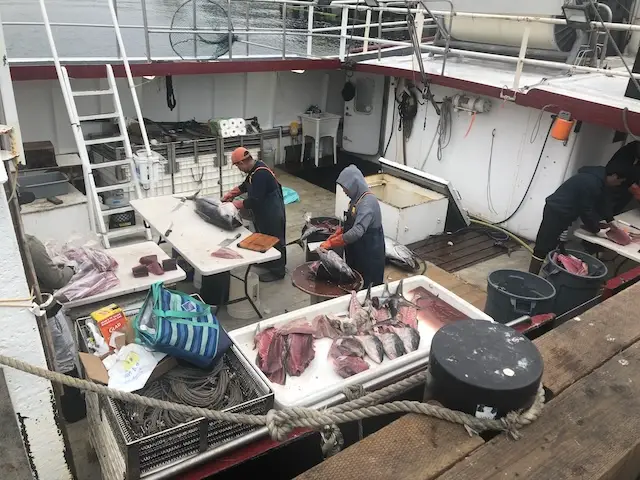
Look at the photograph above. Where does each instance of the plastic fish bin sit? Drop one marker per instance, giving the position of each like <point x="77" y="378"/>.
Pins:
<point x="319" y="381"/>
<point x="44" y="185"/>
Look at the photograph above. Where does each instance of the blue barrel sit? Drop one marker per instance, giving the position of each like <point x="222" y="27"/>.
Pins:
<point x="574" y="290"/>
<point x="512" y="294"/>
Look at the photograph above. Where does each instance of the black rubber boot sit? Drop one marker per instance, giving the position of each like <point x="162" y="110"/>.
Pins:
<point x="72" y="402"/>
<point x="535" y="265"/>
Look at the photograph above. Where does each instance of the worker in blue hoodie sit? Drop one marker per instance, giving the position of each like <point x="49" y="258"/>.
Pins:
<point x="586" y="195"/>
<point x="362" y="234"/>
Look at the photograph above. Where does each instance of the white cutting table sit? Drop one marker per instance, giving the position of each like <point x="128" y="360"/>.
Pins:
<point x="629" y="251"/>
<point x="194" y="239"/>
<point x="127" y="258"/>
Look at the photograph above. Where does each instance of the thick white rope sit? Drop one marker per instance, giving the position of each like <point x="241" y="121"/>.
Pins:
<point x="280" y="423"/>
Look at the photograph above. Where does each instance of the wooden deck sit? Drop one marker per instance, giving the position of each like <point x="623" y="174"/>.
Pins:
<point x="588" y="429"/>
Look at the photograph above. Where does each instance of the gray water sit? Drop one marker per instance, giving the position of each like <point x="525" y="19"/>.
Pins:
<point x="31" y="42"/>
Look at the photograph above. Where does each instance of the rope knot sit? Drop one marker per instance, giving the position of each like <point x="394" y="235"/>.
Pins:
<point x="279" y="424"/>
<point x="353" y="391"/>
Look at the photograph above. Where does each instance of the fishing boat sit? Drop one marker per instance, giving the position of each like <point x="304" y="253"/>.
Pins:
<point x="463" y="117"/>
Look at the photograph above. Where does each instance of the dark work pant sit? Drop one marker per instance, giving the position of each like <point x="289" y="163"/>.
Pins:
<point x="553" y="224"/>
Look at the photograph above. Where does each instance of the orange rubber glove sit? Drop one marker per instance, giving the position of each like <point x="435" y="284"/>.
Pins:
<point x="339" y="231"/>
<point x="335" y="241"/>
<point x="231" y="194"/>
<point x="635" y="191"/>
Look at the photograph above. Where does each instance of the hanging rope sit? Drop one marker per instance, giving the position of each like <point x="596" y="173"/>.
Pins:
<point x="281" y="423"/>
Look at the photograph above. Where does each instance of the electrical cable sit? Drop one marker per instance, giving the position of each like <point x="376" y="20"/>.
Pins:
<point x="393" y="121"/>
<point x="489" y="201"/>
<point x="533" y="176"/>
<point x="507" y="233"/>
<point x="536" y="127"/>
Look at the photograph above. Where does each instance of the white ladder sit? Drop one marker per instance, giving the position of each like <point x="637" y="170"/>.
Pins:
<point x="132" y="187"/>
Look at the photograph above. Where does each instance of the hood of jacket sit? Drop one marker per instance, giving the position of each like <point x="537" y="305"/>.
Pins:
<point x="599" y="172"/>
<point x="352" y="180"/>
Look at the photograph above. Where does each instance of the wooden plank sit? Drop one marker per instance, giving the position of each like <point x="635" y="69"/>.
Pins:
<point x="411" y="448"/>
<point x="576" y="348"/>
<point x="590" y="432"/>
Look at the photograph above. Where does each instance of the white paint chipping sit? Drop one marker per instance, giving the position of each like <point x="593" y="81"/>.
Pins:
<point x="31" y="397"/>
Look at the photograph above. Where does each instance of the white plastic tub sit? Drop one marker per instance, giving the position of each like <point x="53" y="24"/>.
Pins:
<point x="410" y="213"/>
<point x="319" y="381"/>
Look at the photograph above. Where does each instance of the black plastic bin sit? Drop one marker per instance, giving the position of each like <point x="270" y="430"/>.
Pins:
<point x="512" y="294"/>
<point x="574" y="290"/>
<point x="318" y="237"/>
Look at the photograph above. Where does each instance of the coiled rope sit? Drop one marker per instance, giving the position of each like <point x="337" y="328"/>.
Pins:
<point x="280" y="423"/>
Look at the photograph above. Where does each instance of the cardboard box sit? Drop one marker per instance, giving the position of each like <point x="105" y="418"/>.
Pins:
<point x="95" y="370"/>
<point x="110" y="319"/>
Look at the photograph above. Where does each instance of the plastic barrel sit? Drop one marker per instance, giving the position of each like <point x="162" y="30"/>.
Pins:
<point x="574" y="290"/>
<point x="512" y="294"/>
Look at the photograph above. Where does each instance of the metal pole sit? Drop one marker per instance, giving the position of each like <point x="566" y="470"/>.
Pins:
<point x="132" y="87"/>
<point x="310" y="30"/>
<point x="379" y="33"/>
<point x="284" y="30"/>
<point x="367" y="25"/>
<point x="521" y="57"/>
<point x="115" y="7"/>
<point x="195" y="28"/>
<point x="229" y="34"/>
<point x="145" y="26"/>
<point x="343" y="33"/>
<point x="247" y="27"/>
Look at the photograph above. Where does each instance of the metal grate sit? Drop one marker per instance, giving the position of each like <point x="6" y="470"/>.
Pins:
<point x="143" y="454"/>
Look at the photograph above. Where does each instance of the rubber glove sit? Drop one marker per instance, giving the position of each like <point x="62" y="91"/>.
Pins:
<point x="335" y="241"/>
<point x="231" y="194"/>
<point x="238" y="204"/>
<point x="635" y="191"/>
<point x="339" y="231"/>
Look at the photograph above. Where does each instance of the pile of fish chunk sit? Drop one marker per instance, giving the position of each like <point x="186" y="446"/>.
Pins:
<point x="381" y="326"/>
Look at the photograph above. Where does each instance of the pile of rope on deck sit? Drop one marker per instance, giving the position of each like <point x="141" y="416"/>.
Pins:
<point x="280" y="423"/>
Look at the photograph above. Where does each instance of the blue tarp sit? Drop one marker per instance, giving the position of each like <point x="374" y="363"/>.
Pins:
<point x="290" y="195"/>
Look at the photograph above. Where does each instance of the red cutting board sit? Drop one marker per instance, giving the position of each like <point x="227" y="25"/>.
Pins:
<point x="258" y="242"/>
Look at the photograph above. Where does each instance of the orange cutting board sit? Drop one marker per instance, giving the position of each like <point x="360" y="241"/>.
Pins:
<point x="258" y="242"/>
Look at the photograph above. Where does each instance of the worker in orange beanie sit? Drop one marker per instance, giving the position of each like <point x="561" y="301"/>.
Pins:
<point x="266" y="204"/>
<point x="362" y="237"/>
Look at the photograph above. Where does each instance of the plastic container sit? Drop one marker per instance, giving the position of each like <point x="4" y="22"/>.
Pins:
<point x="44" y="185"/>
<point x="512" y="294"/>
<point x="574" y="290"/>
<point x="243" y="310"/>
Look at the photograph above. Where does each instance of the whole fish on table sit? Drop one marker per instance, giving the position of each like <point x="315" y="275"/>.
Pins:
<point x="335" y="266"/>
<point x="221" y="214"/>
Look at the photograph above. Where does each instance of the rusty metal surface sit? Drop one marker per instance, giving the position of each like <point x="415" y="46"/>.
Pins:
<point x="303" y="279"/>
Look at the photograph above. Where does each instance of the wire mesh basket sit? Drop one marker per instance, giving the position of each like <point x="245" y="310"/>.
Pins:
<point x="143" y="454"/>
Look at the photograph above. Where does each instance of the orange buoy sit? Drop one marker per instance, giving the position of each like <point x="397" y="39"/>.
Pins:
<point x="562" y="126"/>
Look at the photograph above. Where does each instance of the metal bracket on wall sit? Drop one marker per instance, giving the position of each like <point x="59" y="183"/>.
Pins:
<point x="172" y="165"/>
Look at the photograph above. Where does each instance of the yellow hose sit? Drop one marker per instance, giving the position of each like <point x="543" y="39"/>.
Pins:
<point x="506" y="232"/>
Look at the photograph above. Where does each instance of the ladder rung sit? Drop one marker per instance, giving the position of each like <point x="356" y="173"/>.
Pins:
<point x="110" y="188"/>
<point x="91" y="93"/>
<point x="113" y="211"/>
<point x="98" y="116"/>
<point x="115" y="163"/>
<point x="125" y="231"/>
<point x="96" y="141"/>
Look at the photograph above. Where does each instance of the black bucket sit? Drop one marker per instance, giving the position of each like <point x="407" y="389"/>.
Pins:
<point x="574" y="290"/>
<point x="512" y="294"/>
<point x="319" y="237"/>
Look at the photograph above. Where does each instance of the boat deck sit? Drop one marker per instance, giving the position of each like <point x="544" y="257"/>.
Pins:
<point x="591" y="374"/>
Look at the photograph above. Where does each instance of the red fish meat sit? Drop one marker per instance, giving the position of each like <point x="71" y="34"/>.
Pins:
<point x="618" y="236"/>
<point x="572" y="264"/>
<point x="299" y="325"/>
<point x="323" y="328"/>
<point x="346" y="346"/>
<point x="272" y="352"/>
<point x="434" y="311"/>
<point x="346" y="366"/>
<point x="409" y="316"/>
<point x="300" y="353"/>
<point x="226" y="253"/>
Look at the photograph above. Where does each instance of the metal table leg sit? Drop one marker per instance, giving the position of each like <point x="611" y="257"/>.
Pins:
<point x="246" y="293"/>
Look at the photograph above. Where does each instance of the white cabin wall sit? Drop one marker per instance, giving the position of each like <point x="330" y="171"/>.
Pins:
<point x="594" y="146"/>
<point x="465" y="161"/>
<point x="276" y="98"/>
<point x="31" y="397"/>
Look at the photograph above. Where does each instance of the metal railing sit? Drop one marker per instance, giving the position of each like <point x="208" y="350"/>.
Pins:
<point x="334" y="41"/>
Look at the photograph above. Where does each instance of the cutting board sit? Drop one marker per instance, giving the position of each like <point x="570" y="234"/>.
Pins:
<point x="258" y="242"/>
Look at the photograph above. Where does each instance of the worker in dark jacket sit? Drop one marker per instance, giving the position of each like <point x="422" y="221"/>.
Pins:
<point x="362" y="235"/>
<point x="628" y="158"/>
<point x="266" y="203"/>
<point x="584" y="196"/>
